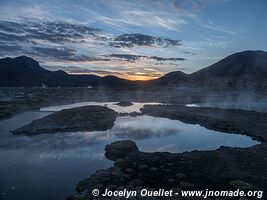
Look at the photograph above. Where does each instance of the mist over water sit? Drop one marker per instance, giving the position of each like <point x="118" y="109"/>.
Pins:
<point x="247" y="100"/>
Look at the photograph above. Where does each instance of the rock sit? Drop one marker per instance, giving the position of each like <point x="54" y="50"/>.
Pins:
<point x="154" y="169"/>
<point x="120" y="188"/>
<point x="138" y="188"/>
<point x="112" y="187"/>
<point x="130" y="187"/>
<point x="241" y="185"/>
<point x="124" y="103"/>
<point x="176" y="190"/>
<point x="187" y="185"/>
<point x="143" y="166"/>
<point x="180" y="175"/>
<point x="198" y="169"/>
<point x="171" y="180"/>
<point x="86" y="118"/>
<point x="120" y="149"/>
<point x="116" y="173"/>
<point x="167" y="170"/>
<point x="136" y="182"/>
<point x="129" y="170"/>
<point x="119" y="160"/>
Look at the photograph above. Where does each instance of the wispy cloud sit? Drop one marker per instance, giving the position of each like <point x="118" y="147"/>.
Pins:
<point x="134" y="58"/>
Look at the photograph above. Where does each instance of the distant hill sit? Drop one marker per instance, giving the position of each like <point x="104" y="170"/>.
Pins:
<point x="24" y="71"/>
<point x="176" y="77"/>
<point x="243" y="69"/>
<point x="239" y="69"/>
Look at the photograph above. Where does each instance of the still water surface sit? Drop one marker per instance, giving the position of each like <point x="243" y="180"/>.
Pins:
<point x="49" y="166"/>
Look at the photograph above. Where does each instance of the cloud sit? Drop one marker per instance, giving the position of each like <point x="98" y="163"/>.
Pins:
<point x="65" y="42"/>
<point x="127" y="16"/>
<point x="123" y="74"/>
<point x="80" y="70"/>
<point x="61" y="43"/>
<point x="62" y="54"/>
<point x="166" y="59"/>
<point x="33" y="29"/>
<point x="7" y="48"/>
<point x="189" y="53"/>
<point x="131" y="40"/>
<point x="134" y="58"/>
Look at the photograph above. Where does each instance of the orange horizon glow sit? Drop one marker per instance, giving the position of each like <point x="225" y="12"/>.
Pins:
<point x="140" y="77"/>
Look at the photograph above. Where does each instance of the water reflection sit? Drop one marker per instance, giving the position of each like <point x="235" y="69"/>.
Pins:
<point x="112" y="105"/>
<point x="151" y="132"/>
<point x="34" y="177"/>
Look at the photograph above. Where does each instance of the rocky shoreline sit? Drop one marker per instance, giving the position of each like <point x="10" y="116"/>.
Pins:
<point x="223" y="169"/>
<point x="251" y="123"/>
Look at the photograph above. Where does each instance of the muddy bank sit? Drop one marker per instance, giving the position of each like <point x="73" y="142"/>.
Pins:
<point x="223" y="169"/>
<point x="245" y="122"/>
<point x="86" y="118"/>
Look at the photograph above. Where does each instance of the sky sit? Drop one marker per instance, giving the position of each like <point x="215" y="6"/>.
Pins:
<point x="132" y="39"/>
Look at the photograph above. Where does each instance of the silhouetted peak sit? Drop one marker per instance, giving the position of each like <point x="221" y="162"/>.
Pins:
<point x="111" y="77"/>
<point x="175" y="73"/>
<point x="238" y="64"/>
<point x="25" y="60"/>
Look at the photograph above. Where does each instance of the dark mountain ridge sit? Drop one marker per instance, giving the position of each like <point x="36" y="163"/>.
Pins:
<point x="243" y="69"/>
<point x="239" y="64"/>
<point x="24" y="71"/>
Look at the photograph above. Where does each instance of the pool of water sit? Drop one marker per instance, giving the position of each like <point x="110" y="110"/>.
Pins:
<point x="49" y="166"/>
<point x="112" y="105"/>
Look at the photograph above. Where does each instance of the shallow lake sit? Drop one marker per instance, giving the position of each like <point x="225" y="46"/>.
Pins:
<point x="49" y="166"/>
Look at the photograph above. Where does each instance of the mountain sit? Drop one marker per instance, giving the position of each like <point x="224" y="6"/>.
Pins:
<point x="244" y="69"/>
<point x="246" y="63"/>
<point x="176" y="77"/>
<point x="239" y="69"/>
<point x="24" y="71"/>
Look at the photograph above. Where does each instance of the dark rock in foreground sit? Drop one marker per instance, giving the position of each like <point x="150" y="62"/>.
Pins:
<point x="124" y="103"/>
<point x="120" y="149"/>
<point x="223" y="169"/>
<point x="87" y="118"/>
